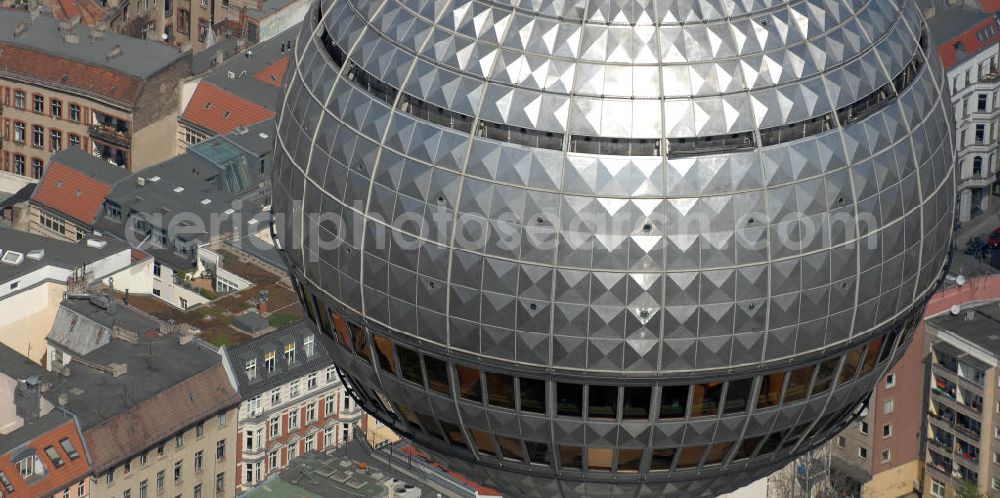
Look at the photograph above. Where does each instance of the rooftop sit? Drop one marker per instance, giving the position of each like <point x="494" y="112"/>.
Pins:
<point x="105" y="63"/>
<point x="254" y="350"/>
<point x="66" y="255"/>
<point x="219" y="111"/>
<point x="155" y="363"/>
<point x="982" y="330"/>
<point x="967" y="22"/>
<point x="248" y="75"/>
<point x="76" y="183"/>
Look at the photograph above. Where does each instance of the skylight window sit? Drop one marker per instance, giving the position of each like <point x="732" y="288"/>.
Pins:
<point x="67" y="446"/>
<point x="179" y="189"/>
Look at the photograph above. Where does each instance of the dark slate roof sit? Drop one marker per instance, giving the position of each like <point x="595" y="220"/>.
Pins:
<point x="245" y="66"/>
<point x="983" y="330"/>
<point x="58" y="253"/>
<point x="18" y="197"/>
<point x="283" y="373"/>
<point x="251" y="321"/>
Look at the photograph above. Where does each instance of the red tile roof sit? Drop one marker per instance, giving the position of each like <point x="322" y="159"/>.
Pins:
<point x="61" y="72"/>
<point x="221" y="112"/>
<point x="275" y="73"/>
<point x="57" y="478"/>
<point x="157" y="418"/>
<point x="983" y="35"/>
<point x="71" y="192"/>
<point x="989" y="6"/>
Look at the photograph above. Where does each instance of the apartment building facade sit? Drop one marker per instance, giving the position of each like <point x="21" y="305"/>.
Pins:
<point x="102" y="92"/>
<point x="963" y="415"/>
<point x="292" y="402"/>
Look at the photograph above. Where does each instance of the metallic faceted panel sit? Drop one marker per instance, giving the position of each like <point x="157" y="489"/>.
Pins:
<point x="515" y="220"/>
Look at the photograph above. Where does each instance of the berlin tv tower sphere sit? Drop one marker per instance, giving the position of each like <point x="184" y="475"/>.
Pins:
<point x="614" y="248"/>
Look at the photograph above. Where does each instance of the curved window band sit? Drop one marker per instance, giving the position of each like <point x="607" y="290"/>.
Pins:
<point x="626" y="146"/>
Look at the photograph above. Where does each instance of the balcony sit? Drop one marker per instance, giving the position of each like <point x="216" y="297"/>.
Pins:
<point x="110" y="134"/>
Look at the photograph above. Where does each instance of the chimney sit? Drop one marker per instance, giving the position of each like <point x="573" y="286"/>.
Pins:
<point x="220" y="55"/>
<point x="118" y="369"/>
<point x="970" y="315"/>
<point x="262" y="308"/>
<point x="28" y="398"/>
<point x="115" y="52"/>
<point x="63" y="399"/>
<point x="185" y="339"/>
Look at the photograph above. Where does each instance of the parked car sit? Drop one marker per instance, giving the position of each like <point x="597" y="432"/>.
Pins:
<point x="994" y="239"/>
<point x="976" y="246"/>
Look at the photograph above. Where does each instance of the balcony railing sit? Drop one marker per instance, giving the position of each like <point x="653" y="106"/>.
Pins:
<point x="110" y="134"/>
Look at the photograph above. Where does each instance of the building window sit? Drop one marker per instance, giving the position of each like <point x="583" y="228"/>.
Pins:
<point x="308" y="346"/>
<point x="328" y="438"/>
<point x="311" y="442"/>
<point x="127" y="468"/>
<point x="290" y="353"/>
<point x="19" y="164"/>
<point x="311" y="412"/>
<point x="53" y="455"/>
<point x="199" y="430"/>
<point x="161" y="477"/>
<point x="269" y="361"/>
<point x="220" y="450"/>
<point x="179" y="440"/>
<point x="36" y="168"/>
<point x="890" y="381"/>
<point x="144" y="459"/>
<point x="293" y="389"/>
<point x="19" y="130"/>
<point x="312" y="381"/>
<point x="980" y="133"/>
<point x="19" y="99"/>
<point x="109" y="477"/>
<point x="199" y="461"/>
<point x="331" y="405"/>
<point x="347" y="403"/>
<point x="55" y="140"/>
<point x="144" y="489"/>
<point x="331" y="374"/>
<point x="887" y="430"/>
<point x="74" y="113"/>
<point x="56" y="107"/>
<point x="222" y="419"/>
<point x="251" y="368"/>
<point x="275" y="396"/>
<point x="293" y="420"/>
<point x="178" y="470"/>
<point x="982" y="99"/>
<point x="39" y="104"/>
<point x="197" y="491"/>
<point x="272" y="460"/>
<point x="937" y="488"/>
<point x="275" y="426"/>
<point x="841" y="441"/>
<point x="183" y="21"/>
<point x="220" y="482"/>
<point x="888" y="406"/>
<point x="863" y="453"/>
<point x="37" y="136"/>
<point x="886" y="456"/>
<point x="863" y="427"/>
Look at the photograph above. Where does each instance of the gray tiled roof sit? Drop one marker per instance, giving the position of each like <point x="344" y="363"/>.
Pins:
<point x="238" y="357"/>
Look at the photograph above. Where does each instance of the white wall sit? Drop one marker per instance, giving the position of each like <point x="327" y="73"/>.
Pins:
<point x="27" y="317"/>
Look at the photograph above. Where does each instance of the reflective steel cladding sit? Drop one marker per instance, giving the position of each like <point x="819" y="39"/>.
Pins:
<point x="614" y="248"/>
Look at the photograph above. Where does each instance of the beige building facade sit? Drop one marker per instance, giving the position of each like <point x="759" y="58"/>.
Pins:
<point x="199" y="460"/>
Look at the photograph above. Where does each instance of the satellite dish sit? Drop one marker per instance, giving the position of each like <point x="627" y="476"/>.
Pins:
<point x="960" y="280"/>
<point x="956" y="309"/>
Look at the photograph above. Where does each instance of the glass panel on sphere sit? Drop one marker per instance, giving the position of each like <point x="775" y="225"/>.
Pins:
<point x="871" y="355"/>
<point x="484" y="442"/>
<point x="772" y="442"/>
<point x="570" y="456"/>
<point x="824" y="379"/>
<point x="407" y="414"/>
<point x="386" y="358"/>
<point x="599" y="458"/>
<point x="635" y="403"/>
<point x="409" y="365"/>
<point x="343" y="333"/>
<point x="705" y="400"/>
<point x="746" y="447"/>
<point x="361" y="343"/>
<point x="454" y="433"/>
<point x="662" y="459"/>
<point x="717" y="453"/>
<point x="532" y="395"/>
<point x="430" y="425"/>
<point x="673" y="401"/>
<point x="798" y="384"/>
<point x="569" y="399"/>
<point x="629" y="460"/>
<point x="738" y="395"/>
<point x="603" y="402"/>
<point x="538" y="452"/>
<point x="690" y="457"/>
<point x="469" y="383"/>
<point x="500" y="390"/>
<point x="770" y="390"/>
<point x="510" y="448"/>
<point x="851" y="365"/>
<point x="437" y="374"/>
